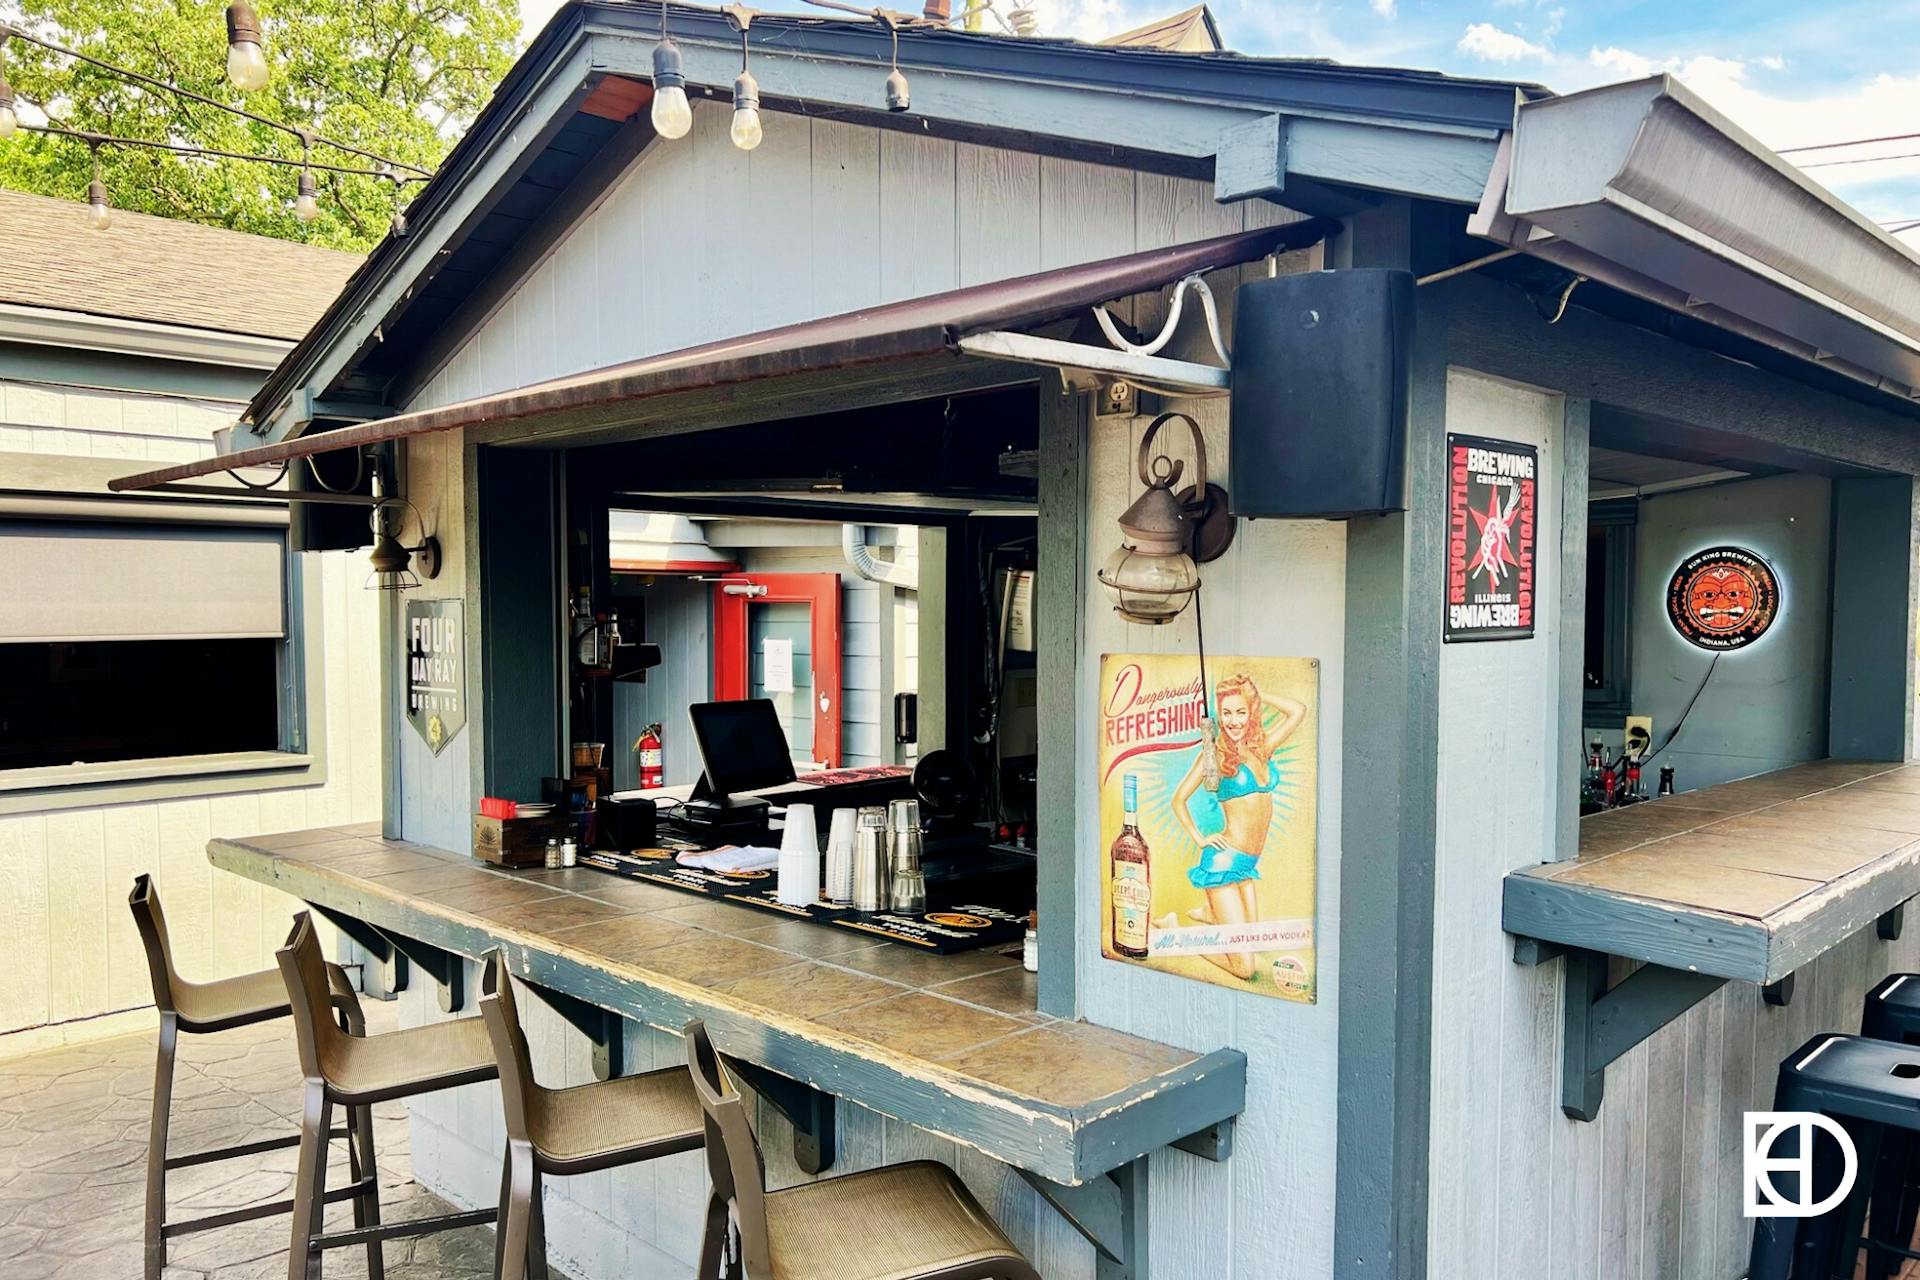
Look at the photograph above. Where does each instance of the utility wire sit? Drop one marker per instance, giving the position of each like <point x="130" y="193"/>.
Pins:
<point x="1853" y="142"/>
<point x="1826" y="164"/>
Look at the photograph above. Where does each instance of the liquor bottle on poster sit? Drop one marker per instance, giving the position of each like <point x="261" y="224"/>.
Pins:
<point x="1132" y="880"/>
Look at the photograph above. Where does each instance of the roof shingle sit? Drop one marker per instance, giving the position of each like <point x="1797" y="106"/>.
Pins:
<point x="161" y="271"/>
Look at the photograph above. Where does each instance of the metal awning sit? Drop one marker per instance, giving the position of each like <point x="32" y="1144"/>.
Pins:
<point x="886" y="343"/>
<point x="1647" y="189"/>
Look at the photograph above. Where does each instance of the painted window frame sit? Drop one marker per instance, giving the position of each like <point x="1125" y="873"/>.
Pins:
<point x="300" y="760"/>
<point x="1617" y="520"/>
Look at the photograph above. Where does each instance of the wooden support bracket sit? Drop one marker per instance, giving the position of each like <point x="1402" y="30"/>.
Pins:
<point x="815" y="1122"/>
<point x="1111" y="1212"/>
<point x="1890" y="924"/>
<point x="1603" y="1023"/>
<point x="1778" y="994"/>
<point x="1532" y="951"/>
<point x="389" y="975"/>
<point x="603" y="1027"/>
<point x="448" y="971"/>
<point x="1215" y="1142"/>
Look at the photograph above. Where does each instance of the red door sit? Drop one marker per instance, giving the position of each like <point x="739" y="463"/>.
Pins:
<point x="802" y="612"/>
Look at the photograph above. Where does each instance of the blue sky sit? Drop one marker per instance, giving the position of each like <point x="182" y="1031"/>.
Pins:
<point x="1793" y="74"/>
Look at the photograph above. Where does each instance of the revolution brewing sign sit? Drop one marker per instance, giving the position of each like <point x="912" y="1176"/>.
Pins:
<point x="1492" y="513"/>
<point x="436" y="671"/>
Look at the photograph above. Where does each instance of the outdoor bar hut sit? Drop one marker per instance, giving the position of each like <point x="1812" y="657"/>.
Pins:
<point x="1386" y="469"/>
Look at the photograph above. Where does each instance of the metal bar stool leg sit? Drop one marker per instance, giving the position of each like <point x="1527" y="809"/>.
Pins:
<point x="537" y="1229"/>
<point x="713" y="1242"/>
<point x="156" y="1244"/>
<point x="366" y="1207"/>
<point x="515" y="1229"/>
<point x="310" y="1185"/>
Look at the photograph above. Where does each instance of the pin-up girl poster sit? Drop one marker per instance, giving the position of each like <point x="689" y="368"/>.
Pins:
<point x="1209" y="833"/>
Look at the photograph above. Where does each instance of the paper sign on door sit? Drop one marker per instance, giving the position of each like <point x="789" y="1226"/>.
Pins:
<point x="776" y="660"/>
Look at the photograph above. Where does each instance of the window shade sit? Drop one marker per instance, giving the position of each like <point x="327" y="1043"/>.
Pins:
<point x="69" y="581"/>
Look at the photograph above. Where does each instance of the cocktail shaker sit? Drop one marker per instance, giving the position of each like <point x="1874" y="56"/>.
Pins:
<point x="872" y="873"/>
<point x="909" y="888"/>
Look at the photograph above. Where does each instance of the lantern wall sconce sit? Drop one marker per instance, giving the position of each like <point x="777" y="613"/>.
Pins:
<point x="393" y="562"/>
<point x="1164" y="535"/>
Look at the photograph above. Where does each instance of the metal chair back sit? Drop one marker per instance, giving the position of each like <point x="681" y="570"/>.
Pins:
<point x="148" y="918"/>
<point x="304" y="970"/>
<point x="498" y="1006"/>
<point x="734" y="1163"/>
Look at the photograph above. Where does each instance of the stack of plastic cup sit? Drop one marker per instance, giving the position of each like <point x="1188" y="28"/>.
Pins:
<point x="799" y="859"/>
<point x="839" y="886"/>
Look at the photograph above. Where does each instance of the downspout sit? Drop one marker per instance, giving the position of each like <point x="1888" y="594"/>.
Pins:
<point x="853" y="544"/>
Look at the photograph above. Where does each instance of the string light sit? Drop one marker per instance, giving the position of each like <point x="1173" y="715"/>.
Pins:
<point x="746" y="131"/>
<point x="247" y="68"/>
<point x="246" y="60"/>
<point x="9" y="119"/>
<point x="99" y="209"/>
<point x="672" y="117"/>
<point x="899" y="96"/>
<point x="306" y="205"/>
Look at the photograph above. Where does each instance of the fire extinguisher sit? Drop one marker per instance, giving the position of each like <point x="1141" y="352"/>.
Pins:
<point x="653" y="769"/>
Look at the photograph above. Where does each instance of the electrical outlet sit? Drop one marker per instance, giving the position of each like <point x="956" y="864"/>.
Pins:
<point x="1642" y="725"/>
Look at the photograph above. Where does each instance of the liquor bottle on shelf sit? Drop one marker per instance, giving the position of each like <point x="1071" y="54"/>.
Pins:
<point x="1132" y="880"/>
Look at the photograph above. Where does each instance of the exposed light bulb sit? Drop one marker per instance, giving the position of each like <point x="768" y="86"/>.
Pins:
<point x="306" y="205"/>
<point x="746" y="131"/>
<point x="99" y="209"/>
<point x="672" y="117"/>
<point x="899" y="96"/>
<point x="9" y="122"/>
<point x="246" y="60"/>
<point x="672" y="114"/>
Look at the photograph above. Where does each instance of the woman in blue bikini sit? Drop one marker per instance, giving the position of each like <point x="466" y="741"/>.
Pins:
<point x="1230" y="857"/>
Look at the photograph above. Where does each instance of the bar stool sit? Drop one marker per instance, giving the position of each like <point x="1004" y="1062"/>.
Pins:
<point x="902" y="1222"/>
<point x="202" y="1008"/>
<point x="1891" y="1011"/>
<point x="570" y="1131"/>
<point x="355" y="1073"/>
<point x="1871" y="1088"/>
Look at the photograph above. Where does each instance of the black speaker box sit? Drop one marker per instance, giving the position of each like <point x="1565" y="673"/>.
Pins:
<point x="1319" y="408"/>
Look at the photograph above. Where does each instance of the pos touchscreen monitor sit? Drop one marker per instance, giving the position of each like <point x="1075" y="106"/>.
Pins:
<point x="742" y="747"/>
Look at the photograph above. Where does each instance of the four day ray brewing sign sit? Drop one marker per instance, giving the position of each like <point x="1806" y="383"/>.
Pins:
<point x="436" y="671"/>
<point x="1493" y="495"/>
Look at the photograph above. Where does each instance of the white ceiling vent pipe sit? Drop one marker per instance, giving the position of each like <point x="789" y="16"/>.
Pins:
<point x="853" y="542"/>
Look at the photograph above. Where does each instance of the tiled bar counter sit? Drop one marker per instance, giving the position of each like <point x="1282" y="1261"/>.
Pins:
<point x="950" y="1045"/>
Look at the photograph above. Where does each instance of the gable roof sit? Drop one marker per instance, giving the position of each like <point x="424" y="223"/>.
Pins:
<point x="1190" y="31"/>
<point x="584" y="80"/>
<point x="161" y="271"/>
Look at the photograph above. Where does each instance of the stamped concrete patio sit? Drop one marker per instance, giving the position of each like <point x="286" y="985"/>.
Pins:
<point x="73" y="1133"/>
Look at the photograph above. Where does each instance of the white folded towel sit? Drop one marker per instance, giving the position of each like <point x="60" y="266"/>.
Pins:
<point x="731" y="857"/>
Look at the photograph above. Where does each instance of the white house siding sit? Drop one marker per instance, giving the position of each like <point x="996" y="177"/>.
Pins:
<point x="67" y="942"/>
<point x="1649" y="1190"/>
<point x="703" y="241"/>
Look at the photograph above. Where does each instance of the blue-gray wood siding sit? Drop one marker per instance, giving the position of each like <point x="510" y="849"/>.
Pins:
<point x="824" y="217"/>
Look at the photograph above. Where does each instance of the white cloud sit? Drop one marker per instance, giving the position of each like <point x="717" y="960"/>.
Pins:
<point x="1385" y="8"/>
<point x="1485" y="41"/>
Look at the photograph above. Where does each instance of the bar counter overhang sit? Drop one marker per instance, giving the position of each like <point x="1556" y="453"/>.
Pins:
<point x="1746" y="881"/>
<point x="1062" y="1102"/>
